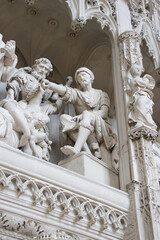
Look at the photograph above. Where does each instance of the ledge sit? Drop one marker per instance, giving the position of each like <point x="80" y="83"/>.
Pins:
<point x="48" y="173"/>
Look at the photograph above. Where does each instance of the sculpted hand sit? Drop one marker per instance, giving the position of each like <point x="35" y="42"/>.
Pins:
<point x="58" y="88"/>
<point x="10" y="49"/>
<point x="45" y="84"/>
<point x="77" y="118"/>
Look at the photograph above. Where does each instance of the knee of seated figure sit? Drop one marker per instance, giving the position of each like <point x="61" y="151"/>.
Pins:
<point x="62" y="117"/>
<point x="87" y="124"/>
<point x="87" y="115"/>
<point x="65" y="118"/>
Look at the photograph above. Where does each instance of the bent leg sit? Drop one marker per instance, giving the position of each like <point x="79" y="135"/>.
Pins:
<point x="21" y="124"/>
<point x="85" y="129"/>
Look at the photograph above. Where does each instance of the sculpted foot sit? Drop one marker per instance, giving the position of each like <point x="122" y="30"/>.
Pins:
<point x="69" y="150"/>
<point x="23" y="140"/>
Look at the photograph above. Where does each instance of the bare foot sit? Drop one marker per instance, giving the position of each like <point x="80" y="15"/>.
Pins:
<point x="23" y="141"/>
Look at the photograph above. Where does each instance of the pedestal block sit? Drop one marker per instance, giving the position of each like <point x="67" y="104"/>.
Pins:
<point x="92" y="168"/>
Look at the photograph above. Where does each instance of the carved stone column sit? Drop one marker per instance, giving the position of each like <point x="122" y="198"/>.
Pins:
<point x="130" y="50"/>
<point x="130" y="53"/>
<point x="144" y="215"/>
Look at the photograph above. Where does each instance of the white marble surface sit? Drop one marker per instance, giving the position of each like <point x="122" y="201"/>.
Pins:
<point x="23" y="163"/>
<point x="92" y="168"/>
<point x="47" y="197"/>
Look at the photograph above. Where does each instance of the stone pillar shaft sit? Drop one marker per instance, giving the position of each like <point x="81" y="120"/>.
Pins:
<point x="144" y="188"/>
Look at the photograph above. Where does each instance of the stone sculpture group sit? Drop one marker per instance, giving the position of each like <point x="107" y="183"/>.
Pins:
<point x="24" y="113"/>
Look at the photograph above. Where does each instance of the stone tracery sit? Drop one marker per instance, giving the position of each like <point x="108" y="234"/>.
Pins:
<point x="142" y="163"/>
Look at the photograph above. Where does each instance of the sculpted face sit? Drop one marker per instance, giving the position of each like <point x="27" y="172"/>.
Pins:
<point x="40" y="71"/>
<point x="41" y="68"/>
<point x="136" y="70"/>
<point x="84" y="79"/>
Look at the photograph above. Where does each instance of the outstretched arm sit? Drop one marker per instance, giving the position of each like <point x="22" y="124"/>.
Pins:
<point x="59" y="100"/>
<point x="60" y="89"/>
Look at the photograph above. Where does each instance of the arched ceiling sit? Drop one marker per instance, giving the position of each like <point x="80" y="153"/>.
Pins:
<point x="43" y="30"/>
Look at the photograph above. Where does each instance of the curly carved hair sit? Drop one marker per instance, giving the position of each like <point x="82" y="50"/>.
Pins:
<point x="30" y="89"/>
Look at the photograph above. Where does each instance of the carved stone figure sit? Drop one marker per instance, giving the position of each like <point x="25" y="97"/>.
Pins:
<point x="37" y="116"/>
<point x="141" y="104"/>
<point x="90" y="127"/>
<point x="23" y="123"/>
<point x="8" y="59"/>
<point x="20" y="83"/>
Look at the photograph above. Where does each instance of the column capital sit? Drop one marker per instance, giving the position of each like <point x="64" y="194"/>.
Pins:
<point x="144" y="132"/>
<point x="129" y="35"/>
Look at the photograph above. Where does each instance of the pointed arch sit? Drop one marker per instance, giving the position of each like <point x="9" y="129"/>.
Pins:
<point x="101" y="10"/>
<point x="153" y="47"/>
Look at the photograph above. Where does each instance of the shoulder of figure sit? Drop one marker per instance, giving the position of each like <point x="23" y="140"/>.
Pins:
<point x="19" y="73"/>
<point x="104" y="94"/>
<point x="101" y="93"/>
<point x="105" y="98"/>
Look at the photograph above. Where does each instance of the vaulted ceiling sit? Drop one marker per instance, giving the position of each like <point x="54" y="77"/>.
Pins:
<point x="44" y="30"/>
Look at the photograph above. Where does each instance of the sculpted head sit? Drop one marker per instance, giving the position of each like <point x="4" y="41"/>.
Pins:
<point x="41" y="68"/>
<point x="136" y="70"/>
<point x="30" y="89"/>
<point x="84" y="76"/>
